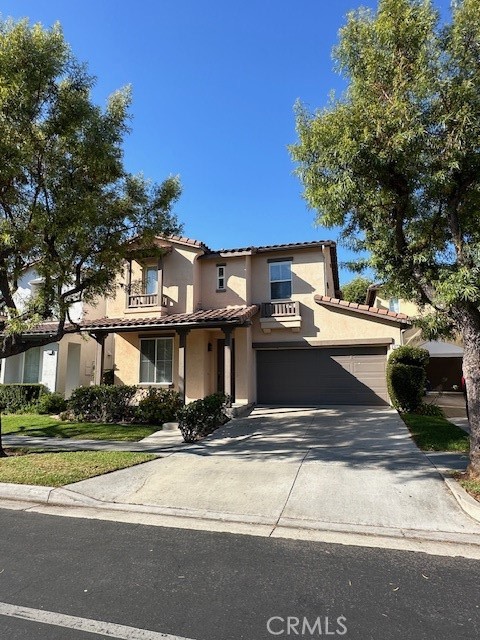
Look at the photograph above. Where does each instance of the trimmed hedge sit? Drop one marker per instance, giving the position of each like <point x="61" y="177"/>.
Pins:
<point x="408" y="385"/>
<point x="201" y="417"/>
<point x="19" y="397"/>
<point x="159" y="406"/>
<point x="406" y="377"/>
<point x="102" y="403"/>
<point x="415" y="356"/>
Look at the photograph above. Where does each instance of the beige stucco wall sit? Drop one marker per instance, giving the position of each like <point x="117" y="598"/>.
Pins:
<point x="201" y="363"/>
<point x="199" y="372"/>
<point x="404" y="306"/>
<point x="178" y="285"/>
<point x="236" y="283"/>
<point x="321" y="323"/>
<point x="178" y="278"/>
<point x="308" y="275"/>
<point x="243" y="366"/>
<point x="127" y="356"/>
<point x="198" y="368"/>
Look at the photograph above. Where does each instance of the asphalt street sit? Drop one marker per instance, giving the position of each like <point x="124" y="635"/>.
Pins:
<point x="93" y="579"/>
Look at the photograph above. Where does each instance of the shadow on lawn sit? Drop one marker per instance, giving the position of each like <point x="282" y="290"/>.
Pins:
<point x="54" y="431"/>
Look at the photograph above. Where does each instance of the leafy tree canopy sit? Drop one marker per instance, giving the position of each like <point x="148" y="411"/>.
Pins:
<point x="395" y="162"/>
<point x="68" y="207"/>
<point x="356" y="290"/>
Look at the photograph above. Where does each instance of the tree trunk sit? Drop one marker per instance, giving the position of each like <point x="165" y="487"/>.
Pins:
<point x="2" y="451"/>
<point x="471" y="373"/>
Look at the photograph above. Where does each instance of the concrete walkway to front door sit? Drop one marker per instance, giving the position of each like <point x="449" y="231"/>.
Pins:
<point x="333" y="467"/>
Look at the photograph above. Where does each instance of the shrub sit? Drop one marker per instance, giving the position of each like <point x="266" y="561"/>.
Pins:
<point x="102" y="403"/>
<point x="414" y="356"/>
<point x="406" y="377"/>
<point x="201" y="417"/>
<point x="51" y="403"/>
<point x="430" y="409"/>
<point x="406" y="385"/>
<point x="19" y="397"/>
<point x="159" y="406"/>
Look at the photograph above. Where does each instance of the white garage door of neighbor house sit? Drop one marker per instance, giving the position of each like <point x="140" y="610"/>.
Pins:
<point x="322" y="376"/>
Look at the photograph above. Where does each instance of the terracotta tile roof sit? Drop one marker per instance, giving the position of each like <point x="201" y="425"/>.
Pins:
<point x="363" y="309"/>
<point x="234" y="316"/>
<point x="46" y="328"/>
<point x="276" y="247"/>
<point x="189" y="241"/>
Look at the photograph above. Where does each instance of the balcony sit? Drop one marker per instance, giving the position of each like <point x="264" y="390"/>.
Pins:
<point x="146" y="300"/>
<point x="280" y="315"/>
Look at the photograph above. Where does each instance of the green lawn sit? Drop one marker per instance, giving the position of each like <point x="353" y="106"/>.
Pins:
<point x="36" y="425"/>
<point x="58" y="469"/>
<point x="436" y="434"/>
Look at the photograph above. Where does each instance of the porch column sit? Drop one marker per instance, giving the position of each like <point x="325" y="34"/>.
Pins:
<point x="99" y="356"/>
<point x="227" y="332"/>
<point x="182" y="362"/>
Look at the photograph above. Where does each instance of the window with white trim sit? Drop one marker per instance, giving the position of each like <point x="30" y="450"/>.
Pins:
<point x="221" y="281"/>
<point x="156" y="360"/>
<point x="280" y="280"/>
<point x="31" y="366"/>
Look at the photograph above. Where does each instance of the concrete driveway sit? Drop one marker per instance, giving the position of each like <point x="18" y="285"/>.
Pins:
<point x="291" y="467"/>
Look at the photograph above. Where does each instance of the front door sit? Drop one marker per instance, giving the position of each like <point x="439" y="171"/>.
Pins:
<point x="221" y="367"/>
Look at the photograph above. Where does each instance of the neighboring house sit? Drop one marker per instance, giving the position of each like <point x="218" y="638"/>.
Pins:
<point x="262" y="324"/>
<point x="60" y="366"/>
<point x="444" y="371"/>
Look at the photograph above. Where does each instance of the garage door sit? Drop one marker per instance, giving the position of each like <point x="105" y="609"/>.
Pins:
<point x="353" y="375"/>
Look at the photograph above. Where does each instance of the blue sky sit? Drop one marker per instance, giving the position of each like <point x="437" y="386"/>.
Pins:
<point x="214" y="84"/>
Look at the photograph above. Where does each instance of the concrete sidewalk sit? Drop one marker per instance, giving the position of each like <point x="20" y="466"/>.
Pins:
<point x="343" y="470"/>
<point x="159" y="442"/>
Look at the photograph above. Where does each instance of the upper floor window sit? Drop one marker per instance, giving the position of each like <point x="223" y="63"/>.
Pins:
<point x="280" y="280"/>
<point x="150" y="280"/>
<point x="394" y="305"/>
<point x="221" y="281"/>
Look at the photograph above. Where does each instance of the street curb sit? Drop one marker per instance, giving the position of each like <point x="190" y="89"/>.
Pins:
<point x="24" y="492"/>
<point x="44" y="499"/>
<point x="464" y="499"/>
<point x="61" y="497"/>
<point x="469" y="505"/>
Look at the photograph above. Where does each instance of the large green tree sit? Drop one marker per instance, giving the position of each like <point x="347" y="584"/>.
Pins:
<point x="68" y="207"/>
<point x="395" y="161"/>
<point x="356" y="289"/>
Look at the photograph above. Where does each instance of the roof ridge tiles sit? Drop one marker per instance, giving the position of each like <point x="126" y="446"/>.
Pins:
<point x="361" y="308"/>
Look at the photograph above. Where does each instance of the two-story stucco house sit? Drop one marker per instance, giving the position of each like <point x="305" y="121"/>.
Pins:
<point x="60" y="366"/>
<point x="262" y="324"/>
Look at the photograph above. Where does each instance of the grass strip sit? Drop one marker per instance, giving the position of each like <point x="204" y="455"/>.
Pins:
<point x="58" y="469"/>
<point x="44" y="426"/>
<point x="436" y="434"/>
<point x="473" y="487"/>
